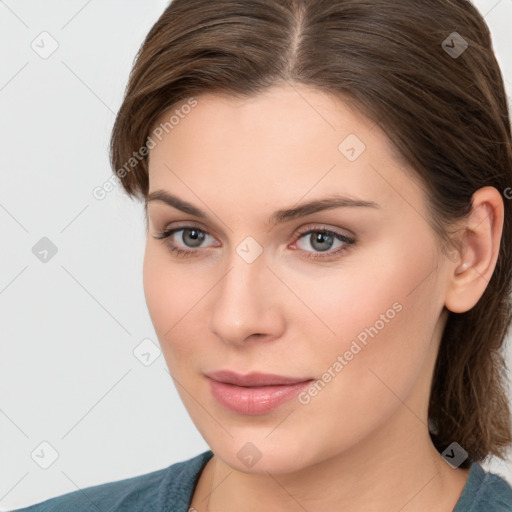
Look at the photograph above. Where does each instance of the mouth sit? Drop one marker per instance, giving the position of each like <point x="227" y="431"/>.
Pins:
<point x="254" y="393"/>
<point x="254" y="379"/>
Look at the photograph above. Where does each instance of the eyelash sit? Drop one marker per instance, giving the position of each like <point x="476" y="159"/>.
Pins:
<point x="163" y="235"/>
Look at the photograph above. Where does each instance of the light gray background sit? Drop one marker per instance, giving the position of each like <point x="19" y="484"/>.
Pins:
<point x="70" y="324"/>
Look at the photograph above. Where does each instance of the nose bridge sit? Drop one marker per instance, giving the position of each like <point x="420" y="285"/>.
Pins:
<point x="244" y="301"/>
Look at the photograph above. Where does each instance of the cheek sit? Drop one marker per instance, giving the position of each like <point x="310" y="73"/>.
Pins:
<point x="384" y="316"/>
<point x="342" y="304"/>
<point x="389" y="292"/>
<point x="171" y="294"/>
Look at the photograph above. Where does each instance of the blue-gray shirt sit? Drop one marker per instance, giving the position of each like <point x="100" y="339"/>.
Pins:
<point x="171" y="489"/>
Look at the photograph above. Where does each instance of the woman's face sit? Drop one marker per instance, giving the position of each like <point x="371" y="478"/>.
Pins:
<point x="357" y="311"/>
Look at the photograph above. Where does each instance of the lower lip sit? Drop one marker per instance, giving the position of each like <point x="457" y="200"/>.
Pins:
<point x="254" y="400"/>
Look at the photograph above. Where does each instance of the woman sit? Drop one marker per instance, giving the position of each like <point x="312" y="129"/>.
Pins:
<point x="328" y="258"/>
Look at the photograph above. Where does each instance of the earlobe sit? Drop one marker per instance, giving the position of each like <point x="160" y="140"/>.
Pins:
<point x="480" y="242"/>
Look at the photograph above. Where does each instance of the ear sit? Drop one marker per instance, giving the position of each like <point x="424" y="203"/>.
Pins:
<point x="480" y="243"/>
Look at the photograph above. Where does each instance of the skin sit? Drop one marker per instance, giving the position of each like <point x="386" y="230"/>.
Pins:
<point x="362" y="443"/>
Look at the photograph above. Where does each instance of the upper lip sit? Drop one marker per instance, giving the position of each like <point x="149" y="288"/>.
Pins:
<point x="253" y="378"/>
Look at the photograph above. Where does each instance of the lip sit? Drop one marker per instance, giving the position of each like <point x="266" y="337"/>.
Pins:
<point x="254" y="393"/>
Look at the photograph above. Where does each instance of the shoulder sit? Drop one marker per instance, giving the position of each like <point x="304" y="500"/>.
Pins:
<point x="485" y="491"/>
<point x="153" y="491"/>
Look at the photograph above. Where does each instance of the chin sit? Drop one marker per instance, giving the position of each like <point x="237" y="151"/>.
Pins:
<point x="262" y="456"/>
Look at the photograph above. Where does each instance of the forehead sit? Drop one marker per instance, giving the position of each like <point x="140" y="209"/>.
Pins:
<point x="300" y="108"/>
<point x="282" y="144"/>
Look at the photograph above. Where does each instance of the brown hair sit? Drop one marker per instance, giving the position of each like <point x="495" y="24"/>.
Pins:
<point x="446" y="115"/>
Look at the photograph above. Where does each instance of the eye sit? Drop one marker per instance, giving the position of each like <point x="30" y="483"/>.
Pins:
<point x="324" y="241"/>
<point x="191" y="238"/>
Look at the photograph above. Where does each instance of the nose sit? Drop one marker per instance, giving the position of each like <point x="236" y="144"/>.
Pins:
<point x="246" y="303"/>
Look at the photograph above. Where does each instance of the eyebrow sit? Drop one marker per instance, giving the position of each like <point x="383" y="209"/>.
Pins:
<point x="279" y="216"/>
